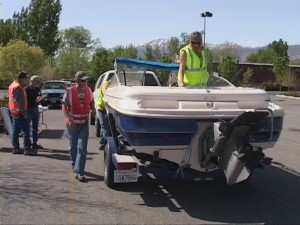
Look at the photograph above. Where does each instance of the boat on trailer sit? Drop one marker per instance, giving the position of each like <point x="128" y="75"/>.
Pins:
<point x="186" y="132"/>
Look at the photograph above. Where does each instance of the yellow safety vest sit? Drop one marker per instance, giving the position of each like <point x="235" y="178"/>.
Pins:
<point x="99" y="101"/>
<point x="196" y="67"/>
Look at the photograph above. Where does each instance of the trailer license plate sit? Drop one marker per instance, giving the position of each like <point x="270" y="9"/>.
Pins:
<point x="125" y="176"/>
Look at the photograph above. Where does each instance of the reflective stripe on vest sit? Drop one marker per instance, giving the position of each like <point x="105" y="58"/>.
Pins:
<point x="12" y="102"/>
<point x="196" y="69"/>
<point x="77" y="112"/>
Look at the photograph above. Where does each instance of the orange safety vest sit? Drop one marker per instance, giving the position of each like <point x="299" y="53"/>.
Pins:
<point x="12" y="102"/>
<point x="78" y="113"/>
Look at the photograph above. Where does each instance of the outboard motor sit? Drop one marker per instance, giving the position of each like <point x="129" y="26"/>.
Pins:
<point x="235" y="155"/>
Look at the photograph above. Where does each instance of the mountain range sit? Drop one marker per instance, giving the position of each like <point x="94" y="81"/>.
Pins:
<point x="293" y="51"/>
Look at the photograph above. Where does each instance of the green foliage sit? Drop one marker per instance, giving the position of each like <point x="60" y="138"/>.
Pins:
<point x="265" y="55"/>
<point x="17" y="56"/>
<point x="280" y="48"/>
<point x="173" y="47"/>
<point x="227" y="68"/>
<point x="6" y="31"/>
<point x="225" y="50"/>
<point x="247" y="76"/>
<point x="75" y="37"/>
<point x="290" y="80"/>
<point x="38" y="25"/>
<point x="270" y="54"/>
<point x="280" y="67"/>
<point x="71" y="60"/>
<point x="101" y="62"/>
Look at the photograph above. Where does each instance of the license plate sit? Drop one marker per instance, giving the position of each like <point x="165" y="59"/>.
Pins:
<point x="53" y="100"/>
<point x="125" y="176"/>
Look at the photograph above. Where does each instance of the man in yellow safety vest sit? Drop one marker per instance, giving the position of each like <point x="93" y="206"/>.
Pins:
<point x="193" y="63"/>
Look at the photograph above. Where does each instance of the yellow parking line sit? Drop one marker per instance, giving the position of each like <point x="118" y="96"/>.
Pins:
<point x="71" y="199"/>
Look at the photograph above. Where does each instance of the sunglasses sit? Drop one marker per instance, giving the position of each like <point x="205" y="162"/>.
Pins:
<point x="82" y="80"/>
<point x="195" y="43"/>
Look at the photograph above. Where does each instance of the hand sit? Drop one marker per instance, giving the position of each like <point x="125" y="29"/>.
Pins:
<point x="38" y="98"/>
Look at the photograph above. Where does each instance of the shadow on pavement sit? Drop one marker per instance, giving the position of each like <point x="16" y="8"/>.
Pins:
<point x="51" y="134"/>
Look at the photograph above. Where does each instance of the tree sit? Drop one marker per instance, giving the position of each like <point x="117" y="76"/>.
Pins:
<point x="266" y="55"/>
<point x="280" y="48"/>
<point x="149" y="53"/>
<point x="173" y="47"/>
<point x="280" y="68"/>
<point x="247" y="76"/>
<point x="227" y="68"/>
<point x="6" y="31"/>
<point x="225" y="50"/>
<point x="17" y="56"/>
<point x="38" y="25"/>
<point x="75" y="37"/>
<point x="101" y="62"/>
<point x="290" y="80"/>
<point x="71" y="60"/>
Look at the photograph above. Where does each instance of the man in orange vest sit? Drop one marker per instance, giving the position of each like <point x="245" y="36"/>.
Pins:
<point x="77" y="104"/>
<point x="18" y="109"/>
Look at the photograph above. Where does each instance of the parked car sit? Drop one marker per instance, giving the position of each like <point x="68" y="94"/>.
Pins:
<point x="53" y="92"/>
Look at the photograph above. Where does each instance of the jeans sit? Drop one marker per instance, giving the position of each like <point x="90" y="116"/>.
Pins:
<point x="33" y="121"/>
<point x="105" y="129"/>
<point x="20" y="123"/>
<point x="78" y="139"/>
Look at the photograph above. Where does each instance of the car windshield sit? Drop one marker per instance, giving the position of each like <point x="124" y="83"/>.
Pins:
<point x="54" y="85"/>
<point x="68" y="83"/>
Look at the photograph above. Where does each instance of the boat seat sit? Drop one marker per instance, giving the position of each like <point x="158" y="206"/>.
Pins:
<point x="149" y="80"/>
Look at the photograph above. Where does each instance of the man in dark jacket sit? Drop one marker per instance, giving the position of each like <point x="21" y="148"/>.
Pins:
<point x="33" y="98"/>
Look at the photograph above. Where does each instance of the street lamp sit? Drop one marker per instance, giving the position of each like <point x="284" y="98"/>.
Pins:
<point x="204" y="15"/>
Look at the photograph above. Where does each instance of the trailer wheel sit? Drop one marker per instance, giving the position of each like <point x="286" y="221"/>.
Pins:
<point x="109" y="167"/>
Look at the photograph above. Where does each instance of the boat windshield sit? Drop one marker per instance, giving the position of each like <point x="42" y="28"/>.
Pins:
<point x="135" y="78"/>
<point x="216" y="81"/>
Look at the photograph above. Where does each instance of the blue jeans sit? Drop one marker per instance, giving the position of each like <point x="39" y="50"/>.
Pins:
<point x="78" y="139"/>
<point x="20" y="123"/>
<point x="33" y="121"/>
<point x="105" y="129"/>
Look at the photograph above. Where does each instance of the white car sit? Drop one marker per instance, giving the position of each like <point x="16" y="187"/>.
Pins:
<point x="53" y="92"/>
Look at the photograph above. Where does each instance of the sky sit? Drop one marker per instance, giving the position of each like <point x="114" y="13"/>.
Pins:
<point x="249" y="23"/>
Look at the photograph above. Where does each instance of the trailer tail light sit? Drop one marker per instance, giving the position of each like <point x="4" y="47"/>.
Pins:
<point x="125" y="166"/>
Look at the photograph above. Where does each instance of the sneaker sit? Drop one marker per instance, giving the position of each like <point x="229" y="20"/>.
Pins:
<point x="28" y="152"/>
<point x="80" y="178"/>
<point x="101" y="146"/>
<point x="17" y="151"/>
<point x="37" y="146"/>
<point x="34" y="151"/>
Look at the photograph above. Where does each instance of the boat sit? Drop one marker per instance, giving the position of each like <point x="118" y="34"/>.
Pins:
<point x="186" y="132"/>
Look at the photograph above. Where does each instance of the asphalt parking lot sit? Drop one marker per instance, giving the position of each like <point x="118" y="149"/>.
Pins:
<point x="42" y="189"/>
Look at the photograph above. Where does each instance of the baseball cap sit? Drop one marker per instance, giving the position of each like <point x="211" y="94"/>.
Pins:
<point x="80" y="75"/>
<point x="36" y="79"/>
<point x="22" y="75"/>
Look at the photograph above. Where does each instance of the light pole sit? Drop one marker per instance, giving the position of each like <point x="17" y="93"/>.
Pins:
<point x="204" y="15"/>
